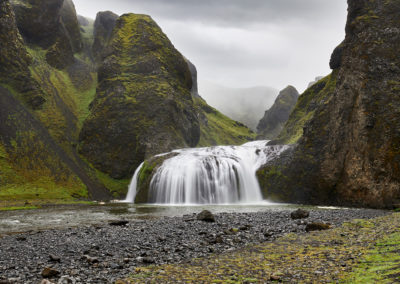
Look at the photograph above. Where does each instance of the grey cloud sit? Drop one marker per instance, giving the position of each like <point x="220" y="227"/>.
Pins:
<point x="242" y="43"/>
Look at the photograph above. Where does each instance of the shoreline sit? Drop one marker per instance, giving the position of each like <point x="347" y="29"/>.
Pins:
<point x="103" y="253"/>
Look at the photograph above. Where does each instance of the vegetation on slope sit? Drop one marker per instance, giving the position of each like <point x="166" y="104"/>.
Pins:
<point x="304" y="110"/>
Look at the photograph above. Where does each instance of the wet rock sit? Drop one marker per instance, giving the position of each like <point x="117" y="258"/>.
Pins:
<point x="317" y="226"/>
<point x="148" y="260"/>
<point x="299" y="214"/>
<point x="50" y="272"/>
<point x="119" y="223"/>
<point x="206" y="216"/>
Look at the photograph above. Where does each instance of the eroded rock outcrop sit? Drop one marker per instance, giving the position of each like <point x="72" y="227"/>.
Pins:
<point x="40" y="22"/>
<point x="15" y="60"/>
<point x="143" y="104"/>
<point x="349" y="153"/>
<point x="275" y="118"/>
<point x="103" y="27"/>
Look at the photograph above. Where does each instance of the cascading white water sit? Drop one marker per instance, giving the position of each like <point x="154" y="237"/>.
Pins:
<point x="213" y="175"/>
<point x="130" y="197"/>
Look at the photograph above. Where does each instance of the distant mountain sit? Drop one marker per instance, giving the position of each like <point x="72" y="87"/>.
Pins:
<point x="246" y="105"/>
<point x="275" y="118"/>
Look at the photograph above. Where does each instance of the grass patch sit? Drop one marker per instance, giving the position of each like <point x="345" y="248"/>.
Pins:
<point x="304" y="111"/>
<point x="18" y="208"/>
<point x="220" y="129"/>
<point x="380" y="264"/>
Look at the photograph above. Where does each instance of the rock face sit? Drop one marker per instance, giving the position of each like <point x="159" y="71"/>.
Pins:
<point x="143" y="104"/>
<point x="195" y="89"/>
<point x="275" y="118"/>
<point x="71" y="23"/>
<point x="103" y="27"/>
<point x="15" y="60"/>
<point x="46" y="89"/>
<point x="307" y="104"/>
<point x="349" y="153"/>
<point x="41" y="23"/>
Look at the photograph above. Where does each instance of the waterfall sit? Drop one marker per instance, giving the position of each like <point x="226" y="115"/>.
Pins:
<point x="213" y="175"/>
<point x="130" y="197"/>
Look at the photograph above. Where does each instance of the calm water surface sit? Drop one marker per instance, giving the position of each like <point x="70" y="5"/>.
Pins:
<point x="81" y="215"/>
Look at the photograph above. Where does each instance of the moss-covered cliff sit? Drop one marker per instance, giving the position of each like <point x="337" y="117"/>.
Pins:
<point x="275" y="118"/>
<point x="52" y="94"/>
<point x="304" y="110"/>
<point x="349" y="152"/>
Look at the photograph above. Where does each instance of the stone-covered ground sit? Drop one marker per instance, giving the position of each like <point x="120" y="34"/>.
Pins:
<point x="360" y="251"/>
<point x="238" y="247"/>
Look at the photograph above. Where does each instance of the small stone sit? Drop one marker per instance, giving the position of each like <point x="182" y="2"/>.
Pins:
<point x="45" y="281"/>
<point x="66" y="280"/>
<point x="317" y="227"/>
<point x="275" y="278"/>
<point x="54" y="258"/>
<point x="119" y="223"/>
<point x="21" y="239"/>
<point x="299" y="214"/>
<point x="49" y="272"/>
<point x="90" y="259"/>
<point x="206" y="216"/>
<point x="148" y="260"/>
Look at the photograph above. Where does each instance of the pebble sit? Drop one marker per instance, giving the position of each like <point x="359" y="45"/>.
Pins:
<point x="104" y="253"/>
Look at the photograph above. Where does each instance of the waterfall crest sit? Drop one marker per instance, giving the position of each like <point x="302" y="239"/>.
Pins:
<point x="213" y="175"/>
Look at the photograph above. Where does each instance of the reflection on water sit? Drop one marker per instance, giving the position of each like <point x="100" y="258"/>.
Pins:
<point x="72" y="216"/>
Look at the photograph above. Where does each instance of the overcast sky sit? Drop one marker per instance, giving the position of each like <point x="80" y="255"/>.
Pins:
<point x="244" y="43"/>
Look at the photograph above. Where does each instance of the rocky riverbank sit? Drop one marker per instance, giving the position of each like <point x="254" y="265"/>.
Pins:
<point x="106" y="252"/>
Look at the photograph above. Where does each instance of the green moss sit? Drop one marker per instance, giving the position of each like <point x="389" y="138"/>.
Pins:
<point x="15" y="208"/>
<point x="380" y="264"/>
<point x="304" y="111"/>
<point x="118" y="188"/>
<point x="220" y="129"/>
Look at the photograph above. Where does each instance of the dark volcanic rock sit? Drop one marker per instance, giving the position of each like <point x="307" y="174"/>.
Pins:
<point x="336" y="58"/>
<point x="49" y="272"/>
<point x="71" y="23"/>
<point x="193" y="71"/>
<point x="119" y="223"/>
<point x="15" y="60"/>
<point x="40" y="22"/>
<point x="275" y="118"/>
<point x="103" y="27"/>
<point x="299" y="214"/>
<point x="206" y="216"/>
<point x="317" y="227"/>
<point x="143" y="104"/>
<point x="349" y="152"/>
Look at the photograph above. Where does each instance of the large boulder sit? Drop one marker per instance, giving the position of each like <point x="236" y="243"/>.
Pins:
<point x="143" y="104"/>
